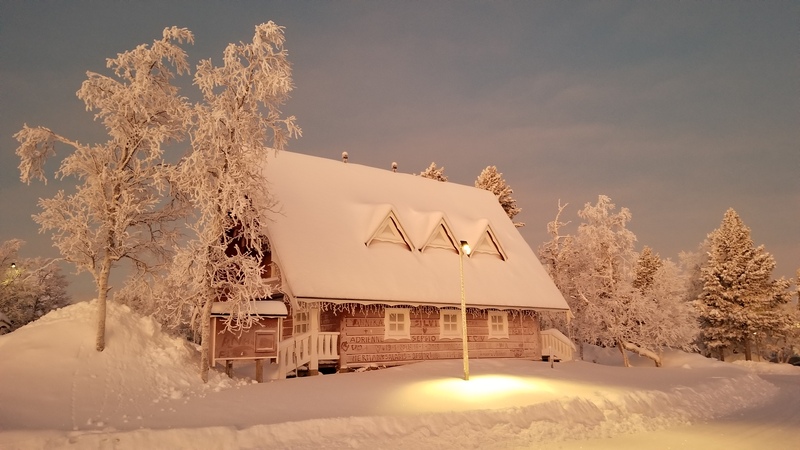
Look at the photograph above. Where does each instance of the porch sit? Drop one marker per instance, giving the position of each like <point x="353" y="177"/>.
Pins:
<point x="307" y="350"/>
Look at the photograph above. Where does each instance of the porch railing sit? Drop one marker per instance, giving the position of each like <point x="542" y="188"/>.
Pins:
<point x="556" y="345"/>
<point x="302" y="349"/>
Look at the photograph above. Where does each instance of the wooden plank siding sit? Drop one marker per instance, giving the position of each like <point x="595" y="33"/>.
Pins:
<point x="361" y="340"/>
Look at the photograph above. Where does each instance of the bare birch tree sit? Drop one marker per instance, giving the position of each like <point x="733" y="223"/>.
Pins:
<point x="117" y="211"/>
<point x="235" y="126"/>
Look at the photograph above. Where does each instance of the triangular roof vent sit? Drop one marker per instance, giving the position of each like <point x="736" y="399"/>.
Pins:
<point x="441" y="237"/>
<point x="489" y="245"/>
<point x="390" y="231"/>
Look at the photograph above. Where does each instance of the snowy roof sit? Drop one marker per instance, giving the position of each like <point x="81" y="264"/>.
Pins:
<point x="263" y="308"/>
<point x="351" y="233"/>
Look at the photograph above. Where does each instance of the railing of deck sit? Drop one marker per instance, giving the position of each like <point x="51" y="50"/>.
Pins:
<point x="556" y="345"/>
<point x="298" y="351"/>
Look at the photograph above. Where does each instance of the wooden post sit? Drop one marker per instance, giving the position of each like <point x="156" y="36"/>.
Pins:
<point x="342" y="366"/>
<point x="260" y="370"/>
<point x="313" y="365"/>
<point x="229" y="368"/>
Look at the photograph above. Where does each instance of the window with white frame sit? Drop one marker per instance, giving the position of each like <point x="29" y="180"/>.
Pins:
<point x="301" y="322"/>
<point x="449" y="324"/>
<point x="498" y="324"/>
<point x="398" y="323"/>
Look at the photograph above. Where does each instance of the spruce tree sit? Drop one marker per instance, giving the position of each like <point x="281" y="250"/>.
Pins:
<point x="740" y="302"/>
<point x="434" y="173"/>
<point x="491" y="180"/>
<point x="646" y="268"/>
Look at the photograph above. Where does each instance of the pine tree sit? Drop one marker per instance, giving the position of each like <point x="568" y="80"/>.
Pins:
<point x="646" y="267"/>
<point x="493" y="181"/>
<point x="434" y="173"/>
<point x="740" y="301"/>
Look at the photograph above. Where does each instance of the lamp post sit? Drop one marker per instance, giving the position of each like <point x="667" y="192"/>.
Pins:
<point x="464" y="250"/>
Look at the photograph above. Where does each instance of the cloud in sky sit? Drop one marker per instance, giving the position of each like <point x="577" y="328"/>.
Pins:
<point x="676" y="110"/>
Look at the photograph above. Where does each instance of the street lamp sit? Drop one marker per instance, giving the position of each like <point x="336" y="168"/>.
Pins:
<point x="464" y="250"/>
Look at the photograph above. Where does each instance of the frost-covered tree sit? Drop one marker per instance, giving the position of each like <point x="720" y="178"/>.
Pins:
<point x="593" y="269"/>
<point x="117" y="211"/>
<point x="9" y="251"/>
<point x="434" y="173"/>
<point x="234" y="127"/>
<point x="31" y="287"/>
<point x="646" y="268"/>
<point x="740" y="302"/>
<point x="797" y="288"/>
<point x="596" y="269"/>
<point x="491" y="180"/>
<point x="692" y="264"/>
<point x="672" y="320"/>
<point x="786" y="342"/>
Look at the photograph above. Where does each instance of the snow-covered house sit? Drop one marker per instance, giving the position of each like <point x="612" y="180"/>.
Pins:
<point x="368" y="264"/>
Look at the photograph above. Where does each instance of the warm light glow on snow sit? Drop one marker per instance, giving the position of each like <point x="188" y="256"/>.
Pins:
<point x="482" y="387"/>
<point x="456" y="394"/>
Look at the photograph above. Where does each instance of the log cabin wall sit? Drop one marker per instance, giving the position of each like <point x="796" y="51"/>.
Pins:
<point x="329" y="321"/>
<point x="362" y="340"/>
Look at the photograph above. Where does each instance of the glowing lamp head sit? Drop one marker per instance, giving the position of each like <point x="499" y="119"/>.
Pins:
<point x="13" y="265"/>
<point x="465" y="248"/>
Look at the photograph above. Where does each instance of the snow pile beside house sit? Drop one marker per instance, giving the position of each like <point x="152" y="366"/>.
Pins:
<point x="54" y="378"/>
<point x="144" y="391"/>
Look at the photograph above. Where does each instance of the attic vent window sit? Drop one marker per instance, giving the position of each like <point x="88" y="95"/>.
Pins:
<point x="489" y="245"/>
<point x="390" y="231"/>
<point x="441" y="238"/>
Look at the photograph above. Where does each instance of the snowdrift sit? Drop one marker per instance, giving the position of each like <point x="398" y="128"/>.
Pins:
<point x="144" y="391"/>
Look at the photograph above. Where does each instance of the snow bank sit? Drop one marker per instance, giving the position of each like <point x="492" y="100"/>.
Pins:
<point x="769" y="368"/>
<point x="144" y="391"/>
<point x="54" y="378"/>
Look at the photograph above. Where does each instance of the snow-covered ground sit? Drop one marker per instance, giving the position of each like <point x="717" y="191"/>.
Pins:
<point x="143" y="391"/>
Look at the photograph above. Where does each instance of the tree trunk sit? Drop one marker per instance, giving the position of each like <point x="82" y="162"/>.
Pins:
<point x="102" y="296"/>
<point x="721" y="353"/>
<point x="205" y="345"/>
<point x="748" y="355"/>
<point x="625" y="359"/>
